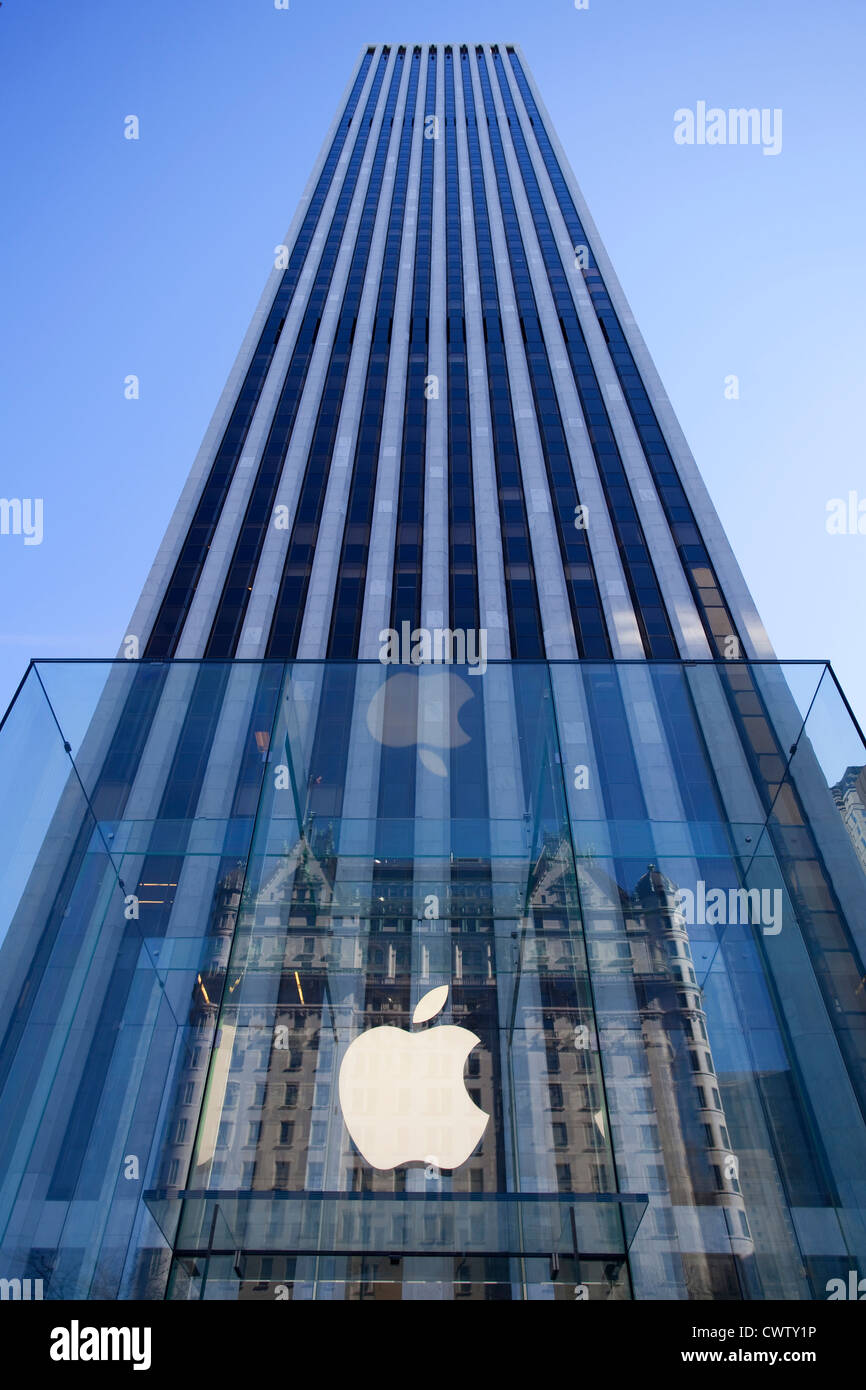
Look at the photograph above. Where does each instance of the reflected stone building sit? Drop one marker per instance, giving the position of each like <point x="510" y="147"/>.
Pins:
<point x="445" y="692"/>
<point x="850" y="796"/>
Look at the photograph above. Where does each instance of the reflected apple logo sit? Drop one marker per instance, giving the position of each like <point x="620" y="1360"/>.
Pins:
<point x="423" y="710"/>
<point x="403" y="1096"/>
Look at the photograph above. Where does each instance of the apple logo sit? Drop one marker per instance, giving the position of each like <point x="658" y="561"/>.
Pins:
<point x="402" y="1094"/>
<point x="422" y="709"/>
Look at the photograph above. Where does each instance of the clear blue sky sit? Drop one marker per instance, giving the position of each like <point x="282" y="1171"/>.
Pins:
<point x="148" y="257"/>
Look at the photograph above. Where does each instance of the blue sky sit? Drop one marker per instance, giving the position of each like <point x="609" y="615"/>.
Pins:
<point x="148" y="257"/>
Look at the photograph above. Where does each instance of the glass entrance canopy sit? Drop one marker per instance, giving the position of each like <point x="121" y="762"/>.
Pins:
<point x="638" y="888"/>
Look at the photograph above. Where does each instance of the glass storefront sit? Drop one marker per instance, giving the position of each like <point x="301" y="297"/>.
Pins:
<point x="521" y="980"/>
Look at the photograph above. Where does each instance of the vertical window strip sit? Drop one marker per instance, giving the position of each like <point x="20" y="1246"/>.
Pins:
<point x="352" y="573"/>
<point x="408" y="538"/>
<point x="463" y="568"/>
<point x="524" y="619"/>
<point x="586" y="609"/>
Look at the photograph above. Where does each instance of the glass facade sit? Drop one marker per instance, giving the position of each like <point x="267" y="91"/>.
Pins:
<point x="658" y="1012"/>
<point x="559" y="449"/>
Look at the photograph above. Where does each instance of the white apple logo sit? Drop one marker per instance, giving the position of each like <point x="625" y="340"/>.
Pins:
<point x="402" y="1094"/>
<point x="422" y="710"/>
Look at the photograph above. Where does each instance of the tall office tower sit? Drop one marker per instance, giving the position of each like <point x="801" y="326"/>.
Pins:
<point x="442" y="894"/>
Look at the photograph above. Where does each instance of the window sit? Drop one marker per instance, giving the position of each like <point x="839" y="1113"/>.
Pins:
<point x="656" y="1179"/>
<point x="287" y="1130"/>
<point x="600" y="1178"/>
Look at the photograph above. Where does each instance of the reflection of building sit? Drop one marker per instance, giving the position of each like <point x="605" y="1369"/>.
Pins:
<point x="670" y="1114"/>
<point x="443" y="418"/>
<point x="692" y="1130"/>
<point x="850" y="796"/>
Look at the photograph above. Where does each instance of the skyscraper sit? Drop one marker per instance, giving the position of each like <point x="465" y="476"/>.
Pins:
<point x="445" y="709"/>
